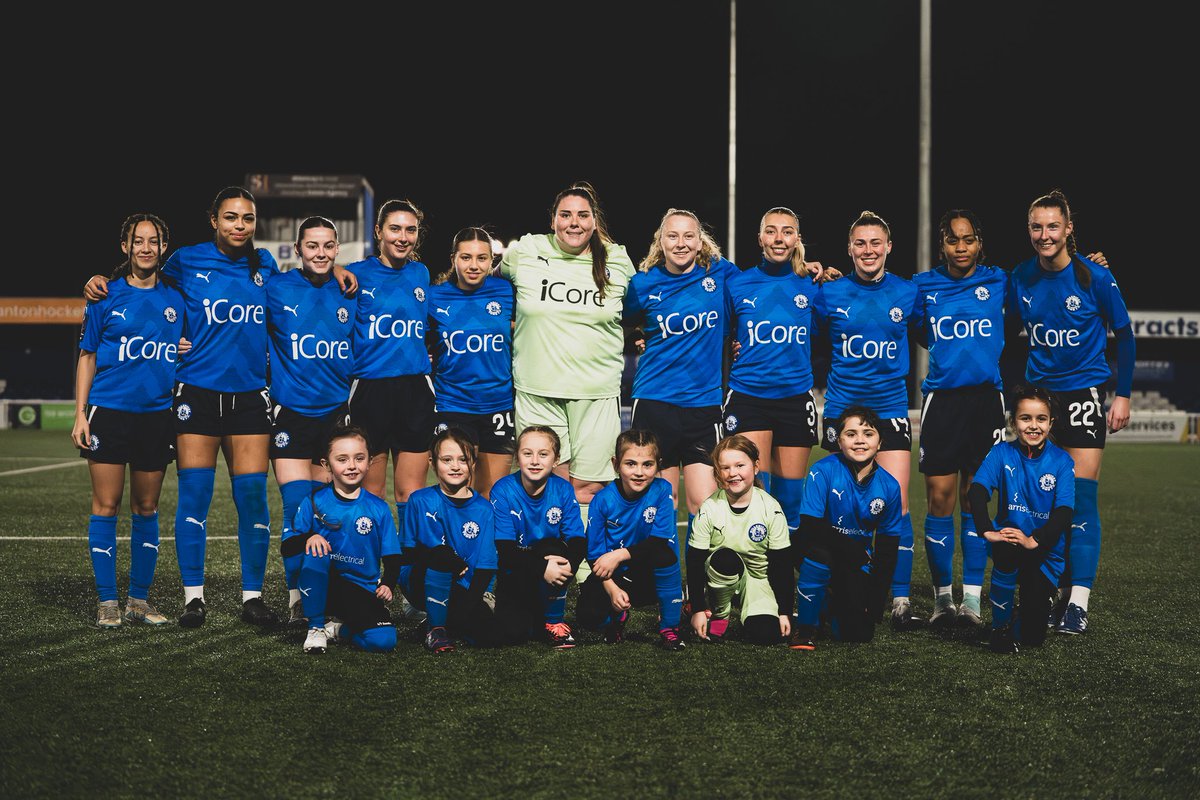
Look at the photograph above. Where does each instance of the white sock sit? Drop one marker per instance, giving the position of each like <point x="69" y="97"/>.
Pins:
<point x="191" y="593"/>
<point x="898" y="600"/>
<point x="1080" y="595"/>
<point x="250" y="595"/>
<point x="942" y="591"/>
<point x="972" y="590"/>
<point x="294" y="597"/>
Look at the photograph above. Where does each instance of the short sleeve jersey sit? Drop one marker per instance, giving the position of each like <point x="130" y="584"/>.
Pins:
<point x="760" y="527"/>
<point x="963" y="323"/>
<point x="361" y="532"/>
<point x="226" y="317"/>
<point x="1067" y="324"/>
<point x="467" y="527"/>
<point x="554" y="514"/>
<point x="472" y="346"/>
<point x="857" y="510"/>
<point x="772" y="319"/>
<point x="684" y="319"/>
<point x="311" y="336"/>
<point x="389" y="321"/>
<point x="615" y="522"/>
<point x="867" y="324"/>
<point x="135" y="334"/>
<point x="568" y="341"/>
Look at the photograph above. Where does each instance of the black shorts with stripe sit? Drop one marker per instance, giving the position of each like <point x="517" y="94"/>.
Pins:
<point x="791" y="420"/>
<point x="209" y="413"/>
<point x="143" y="440"/>
<point x="685" y="435"/>
<point x="396" y="413"/>
<point x="958" y="428"/>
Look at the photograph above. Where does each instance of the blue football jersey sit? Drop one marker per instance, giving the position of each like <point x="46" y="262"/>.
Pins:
<point x="867" y="324"/>
<point x="467" y="526"/>
<point x="1029" y="489"/>
<point x="963" y="323"/>
<point x="311" y="335"/>
<point x="1067" y="324"/>
<point x="360" y="531"/>
<point x="389" y="323"/>
<point x="226" y="317"/>
<point x="685" y="321"/>
<point x="472" y="346"/>
<point x="772" y="318"/>
<point x="614" y="522"/>
<point x="859" y="510"/>
<point x="135" y="336"/>
<point x="523" y="519"/>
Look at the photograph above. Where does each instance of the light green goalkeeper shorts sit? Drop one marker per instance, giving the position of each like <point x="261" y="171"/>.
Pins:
<point x="588" y="430"/>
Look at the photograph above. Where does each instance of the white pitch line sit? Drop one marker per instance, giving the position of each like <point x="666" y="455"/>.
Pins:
<point x="84" y="538"/>
<point x="42" y="469"/>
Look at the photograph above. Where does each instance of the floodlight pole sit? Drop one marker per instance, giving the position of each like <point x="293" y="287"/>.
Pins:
<point x="924" y="219"/>
<point x="731" y="220"/>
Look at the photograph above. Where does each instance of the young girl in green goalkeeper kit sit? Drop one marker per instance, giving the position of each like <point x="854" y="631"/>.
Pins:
<point x="739" y="546"/>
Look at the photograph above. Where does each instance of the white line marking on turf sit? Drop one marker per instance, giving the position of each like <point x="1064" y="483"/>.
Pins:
<point x="42" y="469"/>
<point x="84" y="538"/>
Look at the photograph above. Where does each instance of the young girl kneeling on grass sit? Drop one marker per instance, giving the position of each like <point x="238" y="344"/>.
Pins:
<point x="740" y="546"/>
<point x="631" y="546"/>
<point x="449" y="534"/>
<point x="343" y="533"/>
<point x="539" y="541"/>
<point x="1035" y="479"/>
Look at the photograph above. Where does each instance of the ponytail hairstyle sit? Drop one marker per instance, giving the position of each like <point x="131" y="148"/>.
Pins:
<point x="548" y="432"/>
<point x="870" y="218"/>
<point x="229" y="193"/>
<point x="339" y="431"/>
<point x="315" y="222"/>
<point x="741" y="444"/>
<point x="945" y="231"/>
<point x="128" y="229"/>
<point x="709" y="251"/>
<point x="393" y="206"/>
<point x="635" y="437"/>
<point x="599" y="253"/>
<point x="1056" y="199"/>
<point x="474" y="233"/>
<point x="798" y="266"/>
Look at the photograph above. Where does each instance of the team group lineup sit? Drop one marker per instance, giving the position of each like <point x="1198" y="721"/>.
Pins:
<point x="328" y="372"/>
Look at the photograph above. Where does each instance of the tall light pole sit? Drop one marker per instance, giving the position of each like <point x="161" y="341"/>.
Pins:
<point x="731" y="220"/>
<point x="924" y="218"/>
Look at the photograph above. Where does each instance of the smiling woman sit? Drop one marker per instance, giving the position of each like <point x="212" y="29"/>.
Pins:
<point x="567" y="341"/>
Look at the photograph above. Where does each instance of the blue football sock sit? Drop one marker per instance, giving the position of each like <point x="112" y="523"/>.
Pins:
<point x="1004" y="587"/>
<point x="400" y="517"/>
<point x="555" y="601"/>
<point x="292" y="493"/>
<point x="102" y="543"/>
<point x="375" y="640"/>
<point x="437" y="597"/>
<point x="191" y="522"/>
<point x="975" y="552"/>
<point x="939" y="549"/>
<point x="314" y="587"/>
<point x="143" y="554"/>
<point x="902" y="577"/>
<point x="1084" y="556"/>
<point x="810" y="588"/>
<point x="254" y="527"/>
<point x="766" y="479"/>
<point x="668" y="585"/>
<point x="789" y="492"/>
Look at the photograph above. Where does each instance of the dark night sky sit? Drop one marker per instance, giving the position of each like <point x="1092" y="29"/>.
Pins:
<point x="481" y="120"/>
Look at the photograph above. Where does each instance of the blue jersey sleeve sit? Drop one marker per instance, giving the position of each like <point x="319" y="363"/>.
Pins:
<point x="659" y="496"/>
<point x="816" y="491"/>
<point x="93" y="323"/>
<point x="598" y="511"/>
<point x="389" y="538"/>
<point x="988" y="474"/>
<point x="508" y="516"/>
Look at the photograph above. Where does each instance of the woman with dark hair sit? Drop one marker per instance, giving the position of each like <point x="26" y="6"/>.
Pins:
<point x="567" y="342"/>
<point x="123" y="379"/>
<point x="470" y="336"/>
<point x="1068" y="304"/>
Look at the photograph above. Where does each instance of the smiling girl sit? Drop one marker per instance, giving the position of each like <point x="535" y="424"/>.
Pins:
<point x="1035" y="481"/>
<point x="739" y="546"/>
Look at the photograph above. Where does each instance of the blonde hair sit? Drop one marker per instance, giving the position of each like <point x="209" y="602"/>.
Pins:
<point x="710" y="251"/>
<point x="798" y="265"/>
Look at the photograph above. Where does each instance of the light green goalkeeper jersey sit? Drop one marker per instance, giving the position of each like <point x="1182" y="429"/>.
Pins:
<point x="567" y="342"/>
<point x="760" y="527"/>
